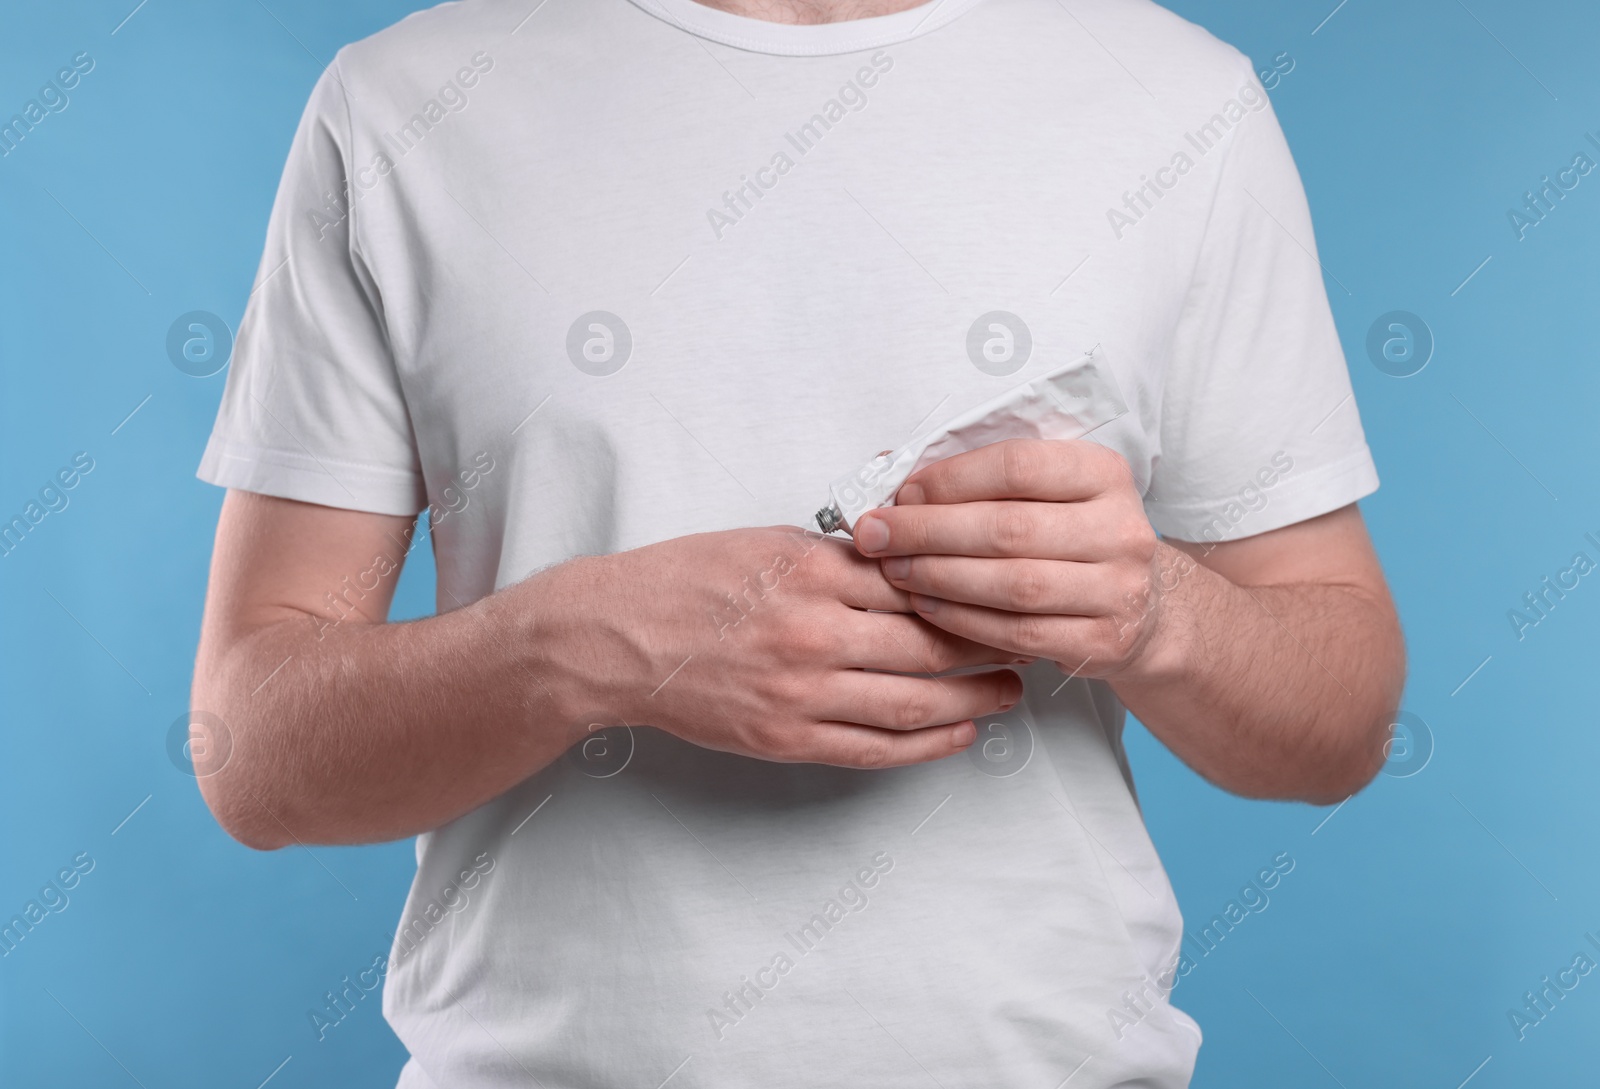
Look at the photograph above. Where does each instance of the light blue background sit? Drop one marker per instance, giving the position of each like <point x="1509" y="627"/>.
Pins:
<point x="1415" y="916"/>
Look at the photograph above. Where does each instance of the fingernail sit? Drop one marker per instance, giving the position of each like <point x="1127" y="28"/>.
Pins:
<point x="924" y="604"/>
<point x="963" y="735"/>
<point x="909" y="493"/>
<point x="872" y="535"/>
<point x="897" y="569"/>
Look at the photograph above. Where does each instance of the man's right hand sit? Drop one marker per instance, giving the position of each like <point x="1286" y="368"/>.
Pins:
<point x="775" y="643"/>
<point x="334" y="726"/>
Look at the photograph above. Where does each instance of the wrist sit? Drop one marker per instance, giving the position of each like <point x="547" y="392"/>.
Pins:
<point x="543" y="651"/>
<point x="1166" y="653"/>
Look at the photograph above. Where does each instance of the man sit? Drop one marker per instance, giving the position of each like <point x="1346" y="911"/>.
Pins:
<point x="600" y="284"/>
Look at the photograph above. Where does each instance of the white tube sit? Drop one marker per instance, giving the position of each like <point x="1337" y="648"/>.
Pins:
<point x="1065" y="403"/>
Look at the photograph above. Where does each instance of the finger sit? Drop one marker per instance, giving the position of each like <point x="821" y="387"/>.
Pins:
<point x="908" y="644"/>
<point x="1045" y="469"/>
<point x="819" y="561"/>
<point x="892" y="702"/>
<point x="1020" y="586"/>
<point x="1059" y="638"/>
<point x="857" y="584"/>
<point x="1004" y="528"/>
<point x="847" y="745"/>
<point x="862" y="589"/>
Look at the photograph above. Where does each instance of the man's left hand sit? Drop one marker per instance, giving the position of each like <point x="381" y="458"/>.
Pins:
<point x="1034" y="546"/>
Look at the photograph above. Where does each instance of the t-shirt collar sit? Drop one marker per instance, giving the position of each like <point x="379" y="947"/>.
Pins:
<point x="783" y="39"/>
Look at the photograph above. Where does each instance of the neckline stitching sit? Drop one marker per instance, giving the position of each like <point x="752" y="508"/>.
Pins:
<point x="838" y="38"/>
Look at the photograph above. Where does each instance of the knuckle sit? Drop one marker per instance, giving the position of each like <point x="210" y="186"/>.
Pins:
<point x="785" y="691"/>
<point x="1031" y="633"/>
<point x="1013" y="528"/>
<point x="1020" y="467"/>
<point x="1004" y="687"/>
<point x="942" y="654"/>
<point x="810" y="639"/>
<point x="1028" y="589"/>
<point x="1112" y="468"/>
<point x="1138" y="538"/>
<point x="770" y="741"/>
<point x="874" y="752"/>
<point x="1120" y="633"/>
<point x="1107" y="458"/>
<point x="911" y="711"/>
<point x="907" y="529"/>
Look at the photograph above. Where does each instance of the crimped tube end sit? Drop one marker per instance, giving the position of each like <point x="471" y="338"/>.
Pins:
<point x="829" y="519"/>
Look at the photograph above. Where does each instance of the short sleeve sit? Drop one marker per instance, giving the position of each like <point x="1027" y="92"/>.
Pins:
<point x="1259" y="427"/>
<point x="313" y="407"/>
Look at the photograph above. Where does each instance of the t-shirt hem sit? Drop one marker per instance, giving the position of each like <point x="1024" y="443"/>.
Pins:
<point x="1328" y="488"/>
<point x="328" y="482"/>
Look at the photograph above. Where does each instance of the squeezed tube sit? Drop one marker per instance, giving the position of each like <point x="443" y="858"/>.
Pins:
<point x="1068" y="402"/>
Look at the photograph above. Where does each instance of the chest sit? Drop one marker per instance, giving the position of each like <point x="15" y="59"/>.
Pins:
<point x="654" y="328"/>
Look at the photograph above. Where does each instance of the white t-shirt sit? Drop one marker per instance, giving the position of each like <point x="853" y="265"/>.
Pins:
<point x="611" y="272"/>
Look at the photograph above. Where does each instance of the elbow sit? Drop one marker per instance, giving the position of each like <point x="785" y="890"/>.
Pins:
<point x="1342" y="739"/>
<point x="1340" y="782"/>
<point x="254" y="835"/>
<point x="1359" y="750"/>
<point x="1352" y="766"/>
<point x="254" y="838"/>
<point x="238" y="809"/>
<point x="228" y="753"/>
<point x="1344" y="760"/>
<point x="235" y="783"/>
<point x="1324" y="780"/>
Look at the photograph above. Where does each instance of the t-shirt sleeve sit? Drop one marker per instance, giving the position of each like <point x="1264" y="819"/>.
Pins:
<point x="1259" y="427"/>
<point x="313" y="407"/>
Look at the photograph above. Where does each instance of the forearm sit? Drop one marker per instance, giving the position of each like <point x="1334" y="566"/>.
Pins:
<point x="359" y="730"/>
<point x="1282" y="691"/>
<point x="362" y="732"/>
